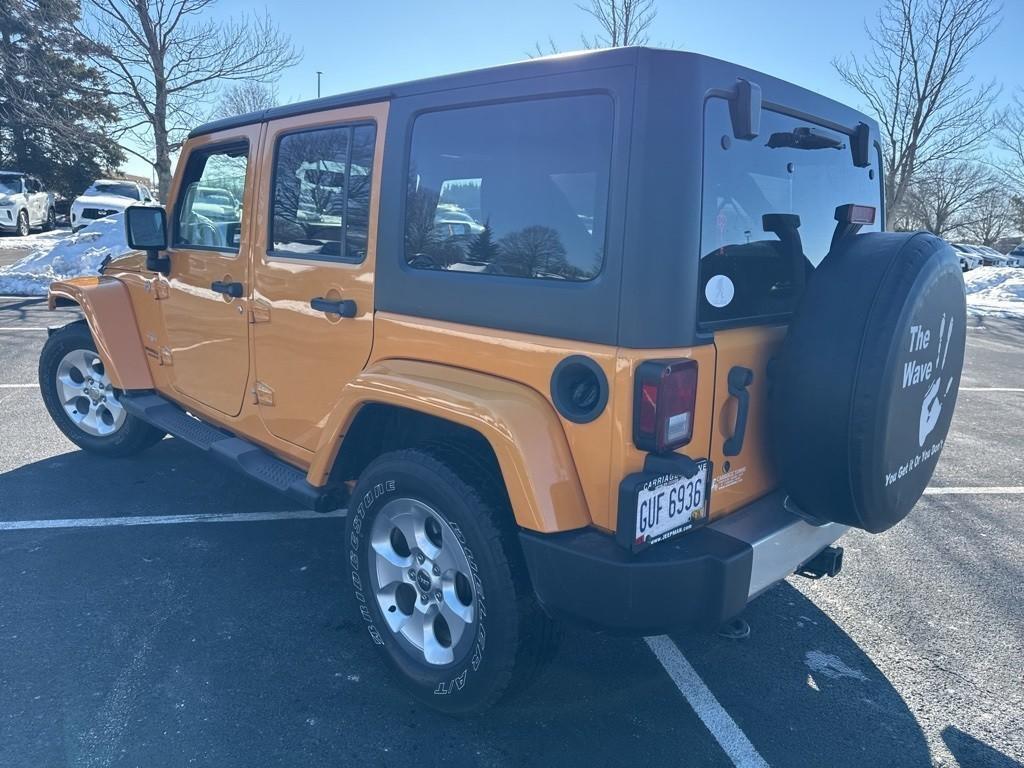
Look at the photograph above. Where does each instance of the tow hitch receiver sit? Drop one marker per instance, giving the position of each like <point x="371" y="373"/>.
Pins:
<point x="828" y="562"/>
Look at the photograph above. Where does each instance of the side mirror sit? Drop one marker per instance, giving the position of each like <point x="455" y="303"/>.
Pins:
<point x="146" y="230"/>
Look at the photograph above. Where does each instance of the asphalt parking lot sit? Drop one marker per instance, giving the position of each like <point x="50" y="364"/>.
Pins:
<point x="151" y="639"/>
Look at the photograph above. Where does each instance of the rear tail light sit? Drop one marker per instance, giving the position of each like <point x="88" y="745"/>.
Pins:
<point x="666" y="398"/>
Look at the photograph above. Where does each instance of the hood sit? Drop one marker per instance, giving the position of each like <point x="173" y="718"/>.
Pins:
<point x="104" y="201"/>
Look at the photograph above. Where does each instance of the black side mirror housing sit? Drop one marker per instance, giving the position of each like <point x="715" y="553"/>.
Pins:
<point x="146" y="230"/>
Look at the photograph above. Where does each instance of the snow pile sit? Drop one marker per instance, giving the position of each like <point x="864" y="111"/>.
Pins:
<point x="72" y="256"/>
<point x="40" y="240"/>
<point x="997" y="291"/>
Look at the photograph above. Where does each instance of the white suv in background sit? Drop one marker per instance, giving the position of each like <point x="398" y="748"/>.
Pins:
<point x="24" y="204"/>
<point x="104" y="198"/>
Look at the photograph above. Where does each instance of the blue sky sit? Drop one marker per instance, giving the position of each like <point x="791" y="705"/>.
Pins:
<point x="363" y="44"/>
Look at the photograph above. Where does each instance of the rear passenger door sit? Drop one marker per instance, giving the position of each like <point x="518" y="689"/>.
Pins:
<point x="37" y="201"/>
<point x="312" y="311"/>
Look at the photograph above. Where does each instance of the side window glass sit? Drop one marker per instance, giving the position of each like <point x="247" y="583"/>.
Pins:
<point x="321" y="197"/>
<point x="517" y="189"/>
<point x="209" y="210"/>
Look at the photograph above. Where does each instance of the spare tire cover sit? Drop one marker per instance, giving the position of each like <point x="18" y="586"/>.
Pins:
<point x="863" y="391"/>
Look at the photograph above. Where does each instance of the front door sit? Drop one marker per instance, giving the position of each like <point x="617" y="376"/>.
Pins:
<point x="205" y="313"/>
<point x="313" y="275"/>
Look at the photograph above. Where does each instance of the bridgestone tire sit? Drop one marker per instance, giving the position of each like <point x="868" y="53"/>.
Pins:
<point x="132" y="437"/>
<point x="512" y="637"/>
<point x="863" y="391"/>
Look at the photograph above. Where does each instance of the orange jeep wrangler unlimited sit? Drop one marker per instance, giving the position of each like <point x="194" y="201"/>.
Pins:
<point x="611" y="337"/>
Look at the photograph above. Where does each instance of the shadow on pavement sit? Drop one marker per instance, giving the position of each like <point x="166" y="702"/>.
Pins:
<point x="171" y="478"/>
<point x="803" y="691"/>
<point x="969" y="751"/>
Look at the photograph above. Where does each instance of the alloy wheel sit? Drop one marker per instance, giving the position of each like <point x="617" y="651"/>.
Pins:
<point x="87" y="395"/>
<point x="422" y="581"/>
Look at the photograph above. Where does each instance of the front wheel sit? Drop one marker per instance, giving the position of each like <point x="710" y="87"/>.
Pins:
<point x="439" y="581"/>
<point x="23" y="228"/>
<point x="83" y="402"/>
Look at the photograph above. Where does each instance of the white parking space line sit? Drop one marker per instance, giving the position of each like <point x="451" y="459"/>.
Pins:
<point x="22" y="328"/>
<point x="966" y="490"/>
<point x="992" y="389"/>
<point x="728" y="735"/>
<point x="103" y="522"/>
<point x="19" y="386"/>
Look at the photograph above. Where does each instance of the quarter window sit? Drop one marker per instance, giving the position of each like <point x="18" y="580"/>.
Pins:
<point x="321" y="198"/>
<point x="209" y="211"/>
<point x="517" y="189"/>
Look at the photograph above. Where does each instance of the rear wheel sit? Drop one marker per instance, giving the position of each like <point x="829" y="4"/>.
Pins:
<point x="51" y="221"/>
<point x="83" y="402"/>
<point x="440" y="584"/>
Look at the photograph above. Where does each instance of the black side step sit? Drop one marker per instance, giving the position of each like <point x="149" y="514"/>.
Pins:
<point x="247" y="457"/>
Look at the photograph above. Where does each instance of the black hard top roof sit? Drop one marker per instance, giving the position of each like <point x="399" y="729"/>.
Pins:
<point x="540" y="67"/>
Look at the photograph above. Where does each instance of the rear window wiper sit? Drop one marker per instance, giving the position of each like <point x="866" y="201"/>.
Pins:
<point x="803" y="138"/>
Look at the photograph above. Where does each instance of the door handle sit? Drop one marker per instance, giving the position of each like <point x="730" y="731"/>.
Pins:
<point x="234" y="290"/>
<point x="739" y="380"/>
<point x="342" y="307"/>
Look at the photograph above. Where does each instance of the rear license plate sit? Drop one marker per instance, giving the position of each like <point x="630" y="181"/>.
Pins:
<point x="670" y="504"/>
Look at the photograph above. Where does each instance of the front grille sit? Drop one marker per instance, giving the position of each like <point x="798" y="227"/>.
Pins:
<point x="96" y="213"/>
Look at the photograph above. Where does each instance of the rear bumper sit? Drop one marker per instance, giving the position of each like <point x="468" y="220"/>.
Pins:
<point x="701" y="578"/>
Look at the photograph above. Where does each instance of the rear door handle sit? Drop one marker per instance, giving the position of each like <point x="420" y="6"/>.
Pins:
<point x="342" y="307"/>
<point x="234" y="290"/>
<point x="739" y="380"/>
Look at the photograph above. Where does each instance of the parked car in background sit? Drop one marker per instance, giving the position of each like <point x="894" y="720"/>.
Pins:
<point x="105" y="197"/>
<point x="1016" y="256"/>
<point x="216" y="204"/>
<point x="969" y="259"/>
<point x="24" y="204"/>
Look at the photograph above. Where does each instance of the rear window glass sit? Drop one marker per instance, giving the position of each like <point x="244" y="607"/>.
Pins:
<point x="517" y="189"/>
<point x="321" y="204"/>
<point x="748" y="272"/>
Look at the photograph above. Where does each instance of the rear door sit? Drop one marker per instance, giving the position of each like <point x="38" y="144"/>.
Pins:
<point x="38" y="201"/>
<point x="205" y="312"/>
<point x="312" y="313"/>
<point x="768" y="216"/>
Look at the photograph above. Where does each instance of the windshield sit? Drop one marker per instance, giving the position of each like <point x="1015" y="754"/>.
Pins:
<point x="769" y="209"/>
<point x="10" y="185"/>
<point x="120" y="189"/>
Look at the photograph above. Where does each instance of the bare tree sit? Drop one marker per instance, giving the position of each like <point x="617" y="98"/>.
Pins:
<point x="944" y="197"/>
<point x="1010" y="137"/>
<point x="164" y="61"/>
<point x="991" y="217"/>
<point x="243" y="98"/>
<point x="622" y="22"/>
<point x="915" y="82"/>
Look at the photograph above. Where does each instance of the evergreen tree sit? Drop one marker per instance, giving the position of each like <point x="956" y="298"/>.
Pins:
<point x="54" y="110"/>
<point x="483" y="248"/>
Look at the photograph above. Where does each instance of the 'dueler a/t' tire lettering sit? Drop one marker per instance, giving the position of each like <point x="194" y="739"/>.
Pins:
<point x="438" y="580"/>
<point x="864" y="388"/>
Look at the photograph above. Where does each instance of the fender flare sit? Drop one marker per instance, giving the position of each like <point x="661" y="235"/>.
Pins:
<point x="107" y="307"/>
<point x="518" y="423"/>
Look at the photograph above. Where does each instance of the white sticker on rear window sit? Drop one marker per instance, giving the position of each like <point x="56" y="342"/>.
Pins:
<point x="719" y="291"/>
